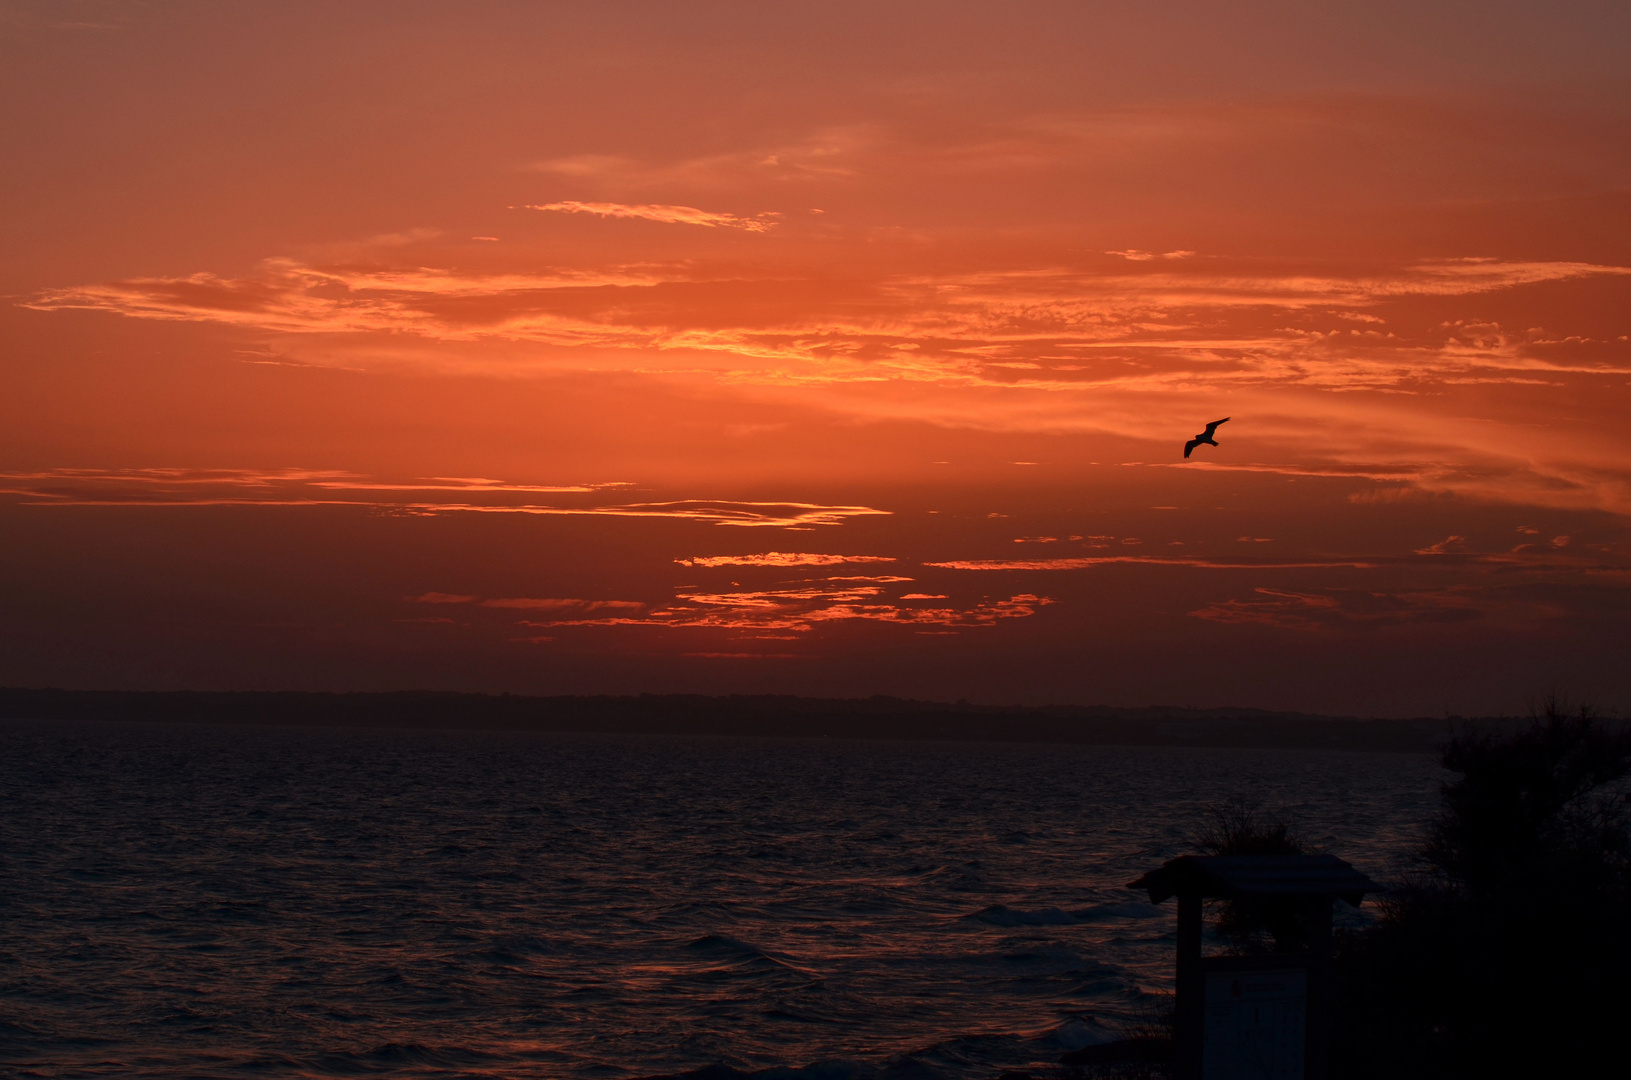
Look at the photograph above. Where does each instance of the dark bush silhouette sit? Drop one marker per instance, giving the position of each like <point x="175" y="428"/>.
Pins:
<point x="1242" y="827"/>
<point x="1509" y="953"/>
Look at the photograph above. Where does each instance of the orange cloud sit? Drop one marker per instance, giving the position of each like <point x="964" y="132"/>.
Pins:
<point x="994" y="328"/>
<point x="300" y="487"/>
<point x="529" y="603"/>
<point x="159" y="487"/>
<point x="782" y="558"/>
<point x="674" y="215"/>
<point x="1190" y="561"/>
<point x="172" y="486"/>
<point x="769" y="514"/>
<point x="1450" y="545"/>
<point x="777" y="613"/>
<point x="833" y="154"/>
<point x="461" y="484"/>
<point x="881" y="579"/>
<point x="800" y="610"/>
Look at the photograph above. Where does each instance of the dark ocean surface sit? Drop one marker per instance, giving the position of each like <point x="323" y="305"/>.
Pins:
<point x="198" y="901"/>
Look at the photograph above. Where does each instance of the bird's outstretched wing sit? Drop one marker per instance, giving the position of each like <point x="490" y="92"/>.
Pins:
<point x="1190" y="445"/>
<point x="1213" y="426"/>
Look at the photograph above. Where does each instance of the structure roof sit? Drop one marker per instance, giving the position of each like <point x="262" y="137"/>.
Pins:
<point x="1237" y="876"/>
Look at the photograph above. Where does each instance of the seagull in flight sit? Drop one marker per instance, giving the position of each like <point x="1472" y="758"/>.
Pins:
<point x="1204" y="437"/>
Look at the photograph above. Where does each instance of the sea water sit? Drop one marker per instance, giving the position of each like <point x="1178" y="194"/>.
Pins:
<point x="202" y="901"/>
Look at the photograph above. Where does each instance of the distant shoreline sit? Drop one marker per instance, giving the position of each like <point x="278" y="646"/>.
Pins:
<point x="775" y="716"/>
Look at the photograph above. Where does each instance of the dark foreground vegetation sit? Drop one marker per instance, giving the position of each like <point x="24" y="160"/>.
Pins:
<point x="756" y="715"/>
<point x="1507" y="952"/>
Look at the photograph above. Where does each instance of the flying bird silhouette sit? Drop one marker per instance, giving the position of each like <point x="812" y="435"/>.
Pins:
<point x="1204" y="437"/>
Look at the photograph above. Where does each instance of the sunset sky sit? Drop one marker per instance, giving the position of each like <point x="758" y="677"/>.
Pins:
<point x="820" y="348"/>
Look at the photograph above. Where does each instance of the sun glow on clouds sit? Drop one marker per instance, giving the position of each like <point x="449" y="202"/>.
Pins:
<point x="799" y="611"/>
<point x="961" y="329"/>
<point x="1014" y="350"/>
<point x="527" y="377"/>
<point x="791" y="609"/>
<point x="1018" y="350"/>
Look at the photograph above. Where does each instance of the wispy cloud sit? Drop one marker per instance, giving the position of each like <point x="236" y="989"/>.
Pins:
<point x="672" y="215"/>
<point x="1527" y="557"/>
<point x="785" y="611"/>
<point x="181" y="486"/>
<point x="1049" y="328"/>
<point x="1450" y="545"/>
<point x="467" y="484"/>
<point x="1186" y="561"/>
<point x="538" y="603"/>
<point x="305" y="487"/>
<point x="782" y="558"/>
<point x="830" y="155"/>
<point x="800" y="610"/>
<point x="1135" y="255"/>
<point x="771" y="514"/>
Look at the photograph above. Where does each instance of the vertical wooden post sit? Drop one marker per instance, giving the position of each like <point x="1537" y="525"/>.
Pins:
<point x="1191" y="1018"/>
<point x="1321" y="991"/>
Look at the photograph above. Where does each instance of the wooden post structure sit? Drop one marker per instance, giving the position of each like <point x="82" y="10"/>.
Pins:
<point x="1317" y="1062"/>
<point x="1255" y="998"/>
<point x="1191" y="1018"/>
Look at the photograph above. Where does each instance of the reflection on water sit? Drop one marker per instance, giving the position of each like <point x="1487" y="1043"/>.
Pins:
<point x="219" y="902"/>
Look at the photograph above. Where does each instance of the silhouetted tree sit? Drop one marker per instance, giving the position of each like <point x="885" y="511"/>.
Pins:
<point x="1242" y="827"/>
<point x="1508" y="954"/>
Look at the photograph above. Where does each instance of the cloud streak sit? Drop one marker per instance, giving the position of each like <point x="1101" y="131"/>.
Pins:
<point x="1089" y="562"/>
<point x="785" y="612"/>
<point x="328" y="488"/>
<point x="798" y="611"/>
<point x="782" y="558"/>
<point x="1001" y="329"/>
<point x="671" y="215"/>
<point x="539" y="603"/>
<point x="723" y="512"/>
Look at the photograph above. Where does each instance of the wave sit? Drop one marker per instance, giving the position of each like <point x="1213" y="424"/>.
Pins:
<point x="940" y="1061"/>
<point x="741" y="957"/>
<point x="514" y="950"/>
<point x="907" y="1067"/>
<point x="387" y="1057"/>
<point x="1002" y="915"/>
<point x="1125" y="909"/>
